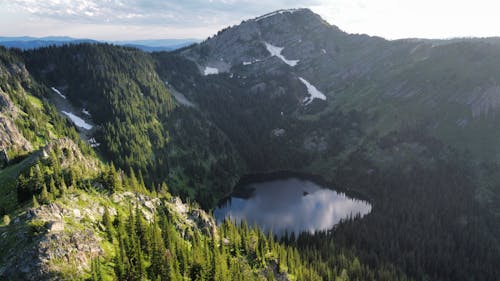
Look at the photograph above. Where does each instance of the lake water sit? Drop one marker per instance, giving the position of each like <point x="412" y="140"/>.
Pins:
<point x="291" y="204"/>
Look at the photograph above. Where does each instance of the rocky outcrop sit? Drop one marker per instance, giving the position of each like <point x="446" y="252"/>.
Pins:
<point x="10" y="136"/>
<point x="56" y="246"/>
<point x="71" y="155"/>
<point x="189" y="218"/>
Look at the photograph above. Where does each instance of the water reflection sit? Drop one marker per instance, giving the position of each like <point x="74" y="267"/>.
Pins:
<point x="291" y="204"/>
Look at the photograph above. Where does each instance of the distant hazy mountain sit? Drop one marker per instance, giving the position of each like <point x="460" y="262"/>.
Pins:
<point x="27" y="43"/>
<point x="153" y="45"/>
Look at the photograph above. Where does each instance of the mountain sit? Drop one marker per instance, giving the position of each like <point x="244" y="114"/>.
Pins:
<point x="409" y="125"/>
<point x="396" y="83"/>
<point x="66" y="215"/>
<point x="27" y="43"/>
<point x="158" y="45"/>
<point x="393" y="120"/>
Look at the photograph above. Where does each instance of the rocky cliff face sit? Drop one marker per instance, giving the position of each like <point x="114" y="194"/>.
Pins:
<point x="71" y="155"/>
<point x="10" y="136"/>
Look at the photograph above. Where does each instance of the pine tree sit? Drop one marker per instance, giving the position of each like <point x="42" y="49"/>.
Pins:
<point x="160" y="266"/>
<point x="37" y="178"/>
<point x="133" y="183"/>
<point x="63" y="188"/>
<point x="113" y="179"/>
<point x="121" y="260"/>
<point x="96" y="269"/>
<point x="35" y="202"/>
<point x="141" y="230"/>
<point x="44" y="195"/>
<point x="106" y="220"/>
<point x="52" y="187"/>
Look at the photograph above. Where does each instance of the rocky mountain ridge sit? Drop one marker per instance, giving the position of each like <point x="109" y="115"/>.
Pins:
<point x="395" y="83"/>
<point x="63" y="237"/>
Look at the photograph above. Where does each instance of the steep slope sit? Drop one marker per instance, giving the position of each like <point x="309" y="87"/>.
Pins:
<point x="87" y="228"/>
<point x="28" y="124"/>
<point x="138" y="124"/>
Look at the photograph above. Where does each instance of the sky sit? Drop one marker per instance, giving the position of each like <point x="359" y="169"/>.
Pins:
<point x="161" y="19"/>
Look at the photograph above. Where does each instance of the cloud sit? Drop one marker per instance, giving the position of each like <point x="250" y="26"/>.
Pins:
<point x="281" y="205"/>
<point x="132" y="19"/>
<point x="151" y="12"/>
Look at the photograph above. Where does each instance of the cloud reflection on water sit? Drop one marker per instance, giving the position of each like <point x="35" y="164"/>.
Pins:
<point x="292" y="204"/>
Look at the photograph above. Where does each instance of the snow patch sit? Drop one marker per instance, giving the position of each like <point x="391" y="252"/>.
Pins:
<point x="291" y="11"/>
<point x="210" y="71"/>
<point x="93" y="142"/>
<point x="278" y="132"/>
<point x="79" y="122"/>
<point x="276" y="51"/>
<point x="58" y="92"/>
<point x="250" y="62"/>
<point x="313" y="92"/>
<point x="86" y="112"/>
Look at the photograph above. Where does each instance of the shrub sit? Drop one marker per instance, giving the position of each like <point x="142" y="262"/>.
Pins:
<point x="6" y="219"/>
<point x="36" y="227"/>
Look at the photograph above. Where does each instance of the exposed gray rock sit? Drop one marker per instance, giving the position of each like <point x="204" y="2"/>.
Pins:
<point x="293" y="30"/>
<point x="56" y="226"/>
<point x="278" y="132"/>
<point x="72" y="156"/>
<point x="50" y="253"/>
<point x="10" y="136"/>
<point x="315" y="143"/>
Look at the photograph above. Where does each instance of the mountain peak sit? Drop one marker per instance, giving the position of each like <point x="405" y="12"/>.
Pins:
<point x="281" y="12"/>
<point x="299" y="34"/>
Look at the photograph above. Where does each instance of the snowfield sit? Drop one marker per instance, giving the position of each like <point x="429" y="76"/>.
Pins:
<point x="250" y="62"/>
<point x="57" y="92"/>
<point x="291" y="11"/>
<point x="276" y="51"/>
<point x="313" y="92"/>
<point x="79" y="122"/>
<point x="210" y="71"/>
<point x="179" y="96"/>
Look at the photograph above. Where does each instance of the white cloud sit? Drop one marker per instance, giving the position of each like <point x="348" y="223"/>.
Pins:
<point x="151" y="12"/>
<point x="402" y="19"/>
<point x="201" y="18"/>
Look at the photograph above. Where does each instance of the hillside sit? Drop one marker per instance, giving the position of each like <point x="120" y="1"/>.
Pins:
<point x="69" y="216"/>
<point x="138" y="124"/>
